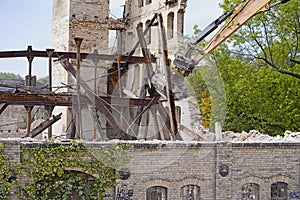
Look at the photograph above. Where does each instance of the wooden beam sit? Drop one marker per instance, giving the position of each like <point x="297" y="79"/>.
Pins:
<point x="44" y="125"/>
<point x="57" y="54"/>
<point x="64" y="100"/>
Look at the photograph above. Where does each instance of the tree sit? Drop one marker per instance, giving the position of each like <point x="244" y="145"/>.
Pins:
<point x="5" y="75"/>
<point x="270" y="39"/>
<point x="44" y="80"/>
<point x="261" y="83"/>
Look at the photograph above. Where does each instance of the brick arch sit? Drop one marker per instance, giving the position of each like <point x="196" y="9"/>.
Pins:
<point x="158" y="182"/>
<point x="189" y="181"/>
<point x="280" y="178"/>
<point x="82" y="171"/>
<point x="251" y="179"/>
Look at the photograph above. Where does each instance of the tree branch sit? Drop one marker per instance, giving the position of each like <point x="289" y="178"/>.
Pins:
<point x="278" y="69"/>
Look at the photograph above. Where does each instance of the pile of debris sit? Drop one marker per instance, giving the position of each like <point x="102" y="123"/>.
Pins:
<point x="256" y="136"/>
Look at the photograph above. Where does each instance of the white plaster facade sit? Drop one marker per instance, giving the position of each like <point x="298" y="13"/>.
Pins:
<point x="90" y="20"/>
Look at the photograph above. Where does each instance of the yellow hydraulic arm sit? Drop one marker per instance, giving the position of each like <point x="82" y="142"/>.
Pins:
<point x="234" y="20"/>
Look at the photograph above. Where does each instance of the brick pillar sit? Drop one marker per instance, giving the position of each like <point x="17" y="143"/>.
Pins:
<point x="224" y="171"/>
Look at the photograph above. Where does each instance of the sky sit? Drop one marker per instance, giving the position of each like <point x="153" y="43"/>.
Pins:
<point x="29" y="22"/>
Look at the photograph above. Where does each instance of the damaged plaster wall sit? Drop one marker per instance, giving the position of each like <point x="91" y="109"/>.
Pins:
<point x="88" y="20"/>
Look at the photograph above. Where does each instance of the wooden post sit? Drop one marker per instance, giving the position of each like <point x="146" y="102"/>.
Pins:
<point x="50" y="108"/>
<point x="78" y="42"/>
<point x="167" y="67"/>
<point x="28" y="120"/>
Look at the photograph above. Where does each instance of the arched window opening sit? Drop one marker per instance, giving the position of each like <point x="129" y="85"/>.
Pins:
<point x="170" y="26"/>
<point x="250" y="191"/>
<point x="141" y="3"/>
<point x="279" y="191"/>
<point x="180" y="23"/>
<point x="190" y="192"/>
<point x="140" y="25"/>
<point x="148" y="2"/>
<point x="156" y="193"/>
<point x="148" y="36"/>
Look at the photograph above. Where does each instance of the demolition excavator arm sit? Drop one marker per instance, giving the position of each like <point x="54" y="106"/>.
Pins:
<point x="185" y="62"/>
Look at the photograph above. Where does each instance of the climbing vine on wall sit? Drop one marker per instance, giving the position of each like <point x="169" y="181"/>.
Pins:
<point x="67" y="171"/>
<point x="5" y="174"/>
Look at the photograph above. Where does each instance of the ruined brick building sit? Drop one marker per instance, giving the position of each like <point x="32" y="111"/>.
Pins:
<point x="212" y="168"/>
<point x="90" y="20"/>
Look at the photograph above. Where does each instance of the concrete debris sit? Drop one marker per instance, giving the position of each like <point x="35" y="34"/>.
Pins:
<point x="256" y="136"/>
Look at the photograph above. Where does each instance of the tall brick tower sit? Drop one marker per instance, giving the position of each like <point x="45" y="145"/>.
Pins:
<point x="86" y="19"/>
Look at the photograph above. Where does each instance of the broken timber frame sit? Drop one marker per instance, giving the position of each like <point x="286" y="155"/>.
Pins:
<point x="100" y="104"/>
<point x="167" y="67"/>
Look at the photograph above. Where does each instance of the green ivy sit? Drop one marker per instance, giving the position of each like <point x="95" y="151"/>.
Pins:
<point x="5" y="174"/>
<point x="71" y="171"/>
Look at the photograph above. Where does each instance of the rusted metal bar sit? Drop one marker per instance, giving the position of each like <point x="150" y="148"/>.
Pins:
<point x="167" y="68"/>
<point x="44" y="125"/>
<point x="79" y="133"/>
<point x="50" y="54"/>
<point x="64" y="100"/>
<point x="50" y="108"/>
<point x="28" y="119"/>
<point x="100" y="103"/>
<point x="57" y="54"/>
<point x="30" y="59"/>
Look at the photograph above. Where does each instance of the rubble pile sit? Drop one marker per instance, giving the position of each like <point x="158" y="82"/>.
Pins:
<point x="256" y="136"/>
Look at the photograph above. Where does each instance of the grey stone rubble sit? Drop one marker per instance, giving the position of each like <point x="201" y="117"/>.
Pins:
<point x="256" y="136"/>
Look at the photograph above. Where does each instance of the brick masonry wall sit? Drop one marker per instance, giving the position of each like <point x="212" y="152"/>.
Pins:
<point x="176" y="164"/>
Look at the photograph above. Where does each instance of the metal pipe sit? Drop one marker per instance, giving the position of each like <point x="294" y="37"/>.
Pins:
<point x="28" y="119"/>
<point x="95" y="71"/>
<point x="78" y="42"/>
<point x="50" y="53"/>
<point x="30" y="59"/>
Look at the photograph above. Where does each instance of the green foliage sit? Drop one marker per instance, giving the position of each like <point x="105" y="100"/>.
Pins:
<point x="261" y="83"/>
<point x="5" y="75"/>
<point x="258" y="98"/>
<point x="67" y="171"/>
<point x="270" y="39"/>
<point x="5" y="174"/>
<point x="44" y="80"/>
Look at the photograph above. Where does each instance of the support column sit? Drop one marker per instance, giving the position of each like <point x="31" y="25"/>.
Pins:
<point x="28" y="120"/>
<point x="78" y="42"/>
<point x="50" y="53"/>
<point x="167" y="67"/>
<point x="30" y="59"/>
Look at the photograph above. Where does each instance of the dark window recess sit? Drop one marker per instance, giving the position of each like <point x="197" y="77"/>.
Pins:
<point x="279" y="191"/>
<point x="168" y="2"/>
<point x="157" y="193"/>
<point x="250" y="191"/>
<point x="190" y="192"/>
<point x="148" y="2"/>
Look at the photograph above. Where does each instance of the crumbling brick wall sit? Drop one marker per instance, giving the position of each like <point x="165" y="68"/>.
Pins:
<point x="174" y="165"/>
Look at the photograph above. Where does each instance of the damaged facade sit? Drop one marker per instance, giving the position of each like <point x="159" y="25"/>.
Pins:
<point x="159" y="169"/>
<point x="90" y="20"/>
